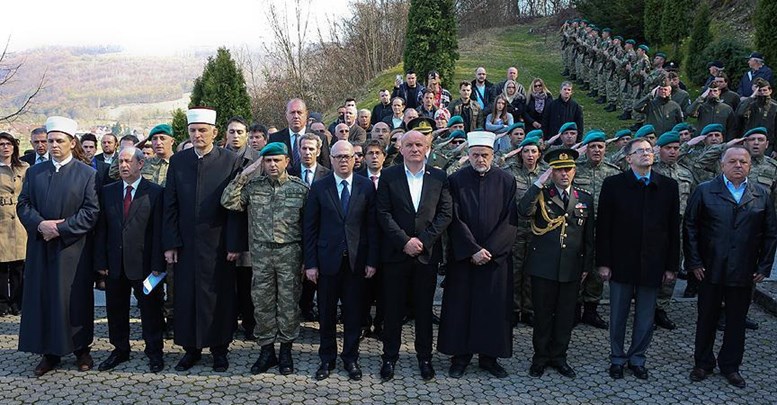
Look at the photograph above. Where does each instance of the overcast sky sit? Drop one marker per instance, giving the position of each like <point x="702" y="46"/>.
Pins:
<point x="144" y="26"/>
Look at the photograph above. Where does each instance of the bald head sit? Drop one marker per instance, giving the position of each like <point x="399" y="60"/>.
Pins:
<point x="342" y="158"/>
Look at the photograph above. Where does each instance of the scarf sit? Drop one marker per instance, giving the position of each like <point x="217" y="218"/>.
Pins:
<point x="539" y="101"/>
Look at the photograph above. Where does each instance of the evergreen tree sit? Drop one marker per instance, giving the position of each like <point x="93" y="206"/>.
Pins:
<point x="696" y="65"/>
<point x="674" y="24"/>
<point x="732" y="52"/>
<point x="765" y="34"/>
<point x="179" y="126"/>
<point x="431" y="42"/>
<point x="223" y="88"/>
<point x="652" y="17"/>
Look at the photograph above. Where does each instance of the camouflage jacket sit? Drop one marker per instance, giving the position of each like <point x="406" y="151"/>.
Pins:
<point x="683" y="176"/>
<point x="589" y="177"/>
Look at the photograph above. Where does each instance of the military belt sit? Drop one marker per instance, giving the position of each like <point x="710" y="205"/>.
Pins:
<point x="273" y="245"/>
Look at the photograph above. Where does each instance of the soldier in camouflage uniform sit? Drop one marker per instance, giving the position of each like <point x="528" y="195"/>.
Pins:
<point x="711" y="134"/>
<point x="604" y="67"/>
<point x="613" y="86"/>
<point x="276" y="203"/>
<point x="580" y="51"/>
<point x="625" y="64"/>
<point x="567" y="30"/>
<point x="637" y="77"/>
<point x="667" y="164"/>
<point x="591" y="43"/>
<point x="591" y="172"/>
<point x="526" y="169"/>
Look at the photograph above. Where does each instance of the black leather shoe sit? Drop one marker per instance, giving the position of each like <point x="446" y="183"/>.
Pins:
<point x="456" y="370"/>
<point x="220" y="363"/>
<point x="751" y="324"/>
<point x="156" y="364"/>
<point x="736" y="380"/>
<point x="722" y="323"/>
<point x="565" y="370"/>
<point x="84" y="361"/>
<point x="625" y="116"/>
<point x="591" y="317"/>
<point x="663" y="321"/>
<point x="324" y="370"/>
<point x="616" y="371"/>
<point x="116" y="358"/>
<point x="699" y="374"/>
<point x="639" y="372"/>
<point x="15" y="310"/>
<point x="285" y="363"/>
<point x="610" y="108"/>
<point x="169" y="333"/>
<point x="427" y="371"/>
<point x="187" y="361"/>
<point x="494" y="368"/>
<point x="47" y="363"/>
<point x="387" y="370"/>
<point x="267" y="359"/>
<point x="536" y="370"/>
<point x="353" y="370"/>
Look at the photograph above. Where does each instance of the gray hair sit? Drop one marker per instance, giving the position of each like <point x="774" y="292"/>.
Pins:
<point x="565" y="83"/>
<point x="137" y="153"/>
<point x="311" y="137"/>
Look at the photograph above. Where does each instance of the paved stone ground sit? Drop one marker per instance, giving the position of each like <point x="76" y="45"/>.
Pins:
<point x="670" y="359"/>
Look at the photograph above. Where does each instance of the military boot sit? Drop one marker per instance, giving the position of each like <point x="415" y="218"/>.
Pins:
<point x="610" y="107"/>
<point x="625" y="116"/>
<point x="593" y="93"/>
<point x="662" y="320"/>
<point x="573" y="77"/>
<point x="591" y="316"/>
<point x="565" y="72"/>
<point x="267" y="359"/>
<point x="285" y="363"/>
<point x="601" y="100"/>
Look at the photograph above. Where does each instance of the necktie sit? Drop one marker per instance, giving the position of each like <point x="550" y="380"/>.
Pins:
<point x="374" y="181"/>
<point x="307" y="177"/>
<point x="294" y="148"/>
<point x="41" y="159"/>
<point x="127" y="201"/>
<point x="565" y="198"/>
<point x="345" y="196"/>
<point x="645" y="180"/>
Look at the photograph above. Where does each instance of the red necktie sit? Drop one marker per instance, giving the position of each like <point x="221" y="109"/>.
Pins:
<point x="374" y="181"/>
<point x="127" y="201"/>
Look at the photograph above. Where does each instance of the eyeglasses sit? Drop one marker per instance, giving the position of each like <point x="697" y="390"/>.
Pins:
<point x="344" y="130"/>
<point x="537" y="85"/>
<point x="359" y="154"/>
<point x="342" y="157"/>
<point x="5" y="144"/>
<point x="394" y="139"/>
<point x="643" y="151"/>
<point x="510" y="87"/>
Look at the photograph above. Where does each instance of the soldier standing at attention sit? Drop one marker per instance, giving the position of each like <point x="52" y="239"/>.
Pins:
<point x="276" y="202"/>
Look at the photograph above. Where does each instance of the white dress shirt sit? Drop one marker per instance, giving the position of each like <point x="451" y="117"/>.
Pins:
<point x="58" y="165"/>
<point x="312" y="174"/>
<point x="415" y="182"/>
<point x="134" y="188"/>
<point x="348" y="180"/>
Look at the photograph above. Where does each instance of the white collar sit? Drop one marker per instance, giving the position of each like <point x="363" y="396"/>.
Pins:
<point x="134" y="184"/>
<point x="63" y="162"/>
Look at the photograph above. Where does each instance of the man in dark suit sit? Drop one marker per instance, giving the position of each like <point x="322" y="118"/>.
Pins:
<point x="297" y="118"/>
<point x="730" y="238"/>
<point x="414" y="209"/>
<point x="555" y="282"/>
<point x="637" y="248"/>
<point x="341" y="250"/>
<point x="128" y="248"/>
<point x="40" y="145"/>
<point x="109" y="143"/>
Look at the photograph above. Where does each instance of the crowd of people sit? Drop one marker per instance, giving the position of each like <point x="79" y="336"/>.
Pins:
<point x="498" y="190"/>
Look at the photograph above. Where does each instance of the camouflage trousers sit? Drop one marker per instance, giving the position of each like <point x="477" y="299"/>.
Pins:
<point x="167" y="309"/>
<point x="667" y="289"/>
<point x="572" y="62"/>
<point x="275" y="290"/>
<point x="636" y="95"/>
<point x="521" y="280"/>
<point x="565" y="58"/>
<point x="602" y="81"/>
<point x="592" y="288"/>
<point x="613" y="89"/>
<point x="580" y="68"/>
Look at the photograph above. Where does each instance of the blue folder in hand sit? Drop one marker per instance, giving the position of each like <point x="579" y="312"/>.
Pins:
<point x="151" y="282"/>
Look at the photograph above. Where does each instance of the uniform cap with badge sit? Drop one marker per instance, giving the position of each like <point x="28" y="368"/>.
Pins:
<point x="562" y="158"/>
<point x="423" y="125"/>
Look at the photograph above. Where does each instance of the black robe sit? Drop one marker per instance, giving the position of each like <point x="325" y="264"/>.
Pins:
<point x="203" y="232"/>
<point x="477" y="302"/>
<point x="58" y="302"/>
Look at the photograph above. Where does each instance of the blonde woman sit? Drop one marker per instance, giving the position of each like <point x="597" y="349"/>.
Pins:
<point x="539" y="98"/>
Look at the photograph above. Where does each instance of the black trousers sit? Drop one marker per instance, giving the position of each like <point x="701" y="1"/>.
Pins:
<point x="348" y="287"/>
<point x="737" y="299"/>
<point x="373" y="294"/>
<point x="245" y="305"/>
<point x="11" y="283"/>
<point x="306" y="298"/>
<point x="423" y="280"/>
<point x="554" y="317"/>
<point x="117" y="301"/>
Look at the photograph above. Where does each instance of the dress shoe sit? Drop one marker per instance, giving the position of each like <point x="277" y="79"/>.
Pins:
<point x="639" y="372"/>
<point x="187" y="361"/>
<point x="536" y="370"/>
<point x="169" y="333"/>
<point x="267" y="359"/>
<point x="427" y="371"/>
<point x="5" y="309"/>
<point x="565" y="370"/>
<point x="527" y="318"/>
<point x="15" y="310"/>
<point x="616" y="371"/>
<point x="387" y="370"/>
<point x="84" y="362"/>
<point x="156" y="364"/>
<point x="285" y="362"/>
<point x="494" y="368"/>
<point x="364" y="332"/>
<point x="117" y="357"/>
<point x="591" y="317"/>
<point x="736" y="379"/>
<point x="751" y="324"/>
<point x="220" y="363"/>
<point x="47" y="363"/>
<point x="699" y="374"/>
<point x="324" y="370"/>
<point x="722" y="322"/>
<point x="662" y="320"/>
<point x="353" y="370"/>
<point x="456" y="370"/>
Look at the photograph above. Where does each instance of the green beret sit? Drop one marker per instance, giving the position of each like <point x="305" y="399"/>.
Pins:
<point x="667" y="138"/>
<point x="597" y="29"/>
<point x="622" y="132"/>
<point x="537" y="133"/>
<point x="712" y="128"/>
<point x="644" y="48"/>
<point x="273" y="149"/>
<point x="594" y="135"/>
<point x="561" y="158"/>
<point x="458" y="134"/>
<point x="533" y="140"/>
<point x="584" y="20"/>
<point x="644" y="131"/>
<point x="518" y="124"/>
<point x="568" y="126"/>
<point x="619" y="38"/>
<point x="757" y="130"/>
<point x="631" y="41"/>
<point x="456" y="119"/>
<point x="661" y="55"/>
<point x="681" y="127"/>
<point x="607" y="30"/>
<point x="161" y="129"/>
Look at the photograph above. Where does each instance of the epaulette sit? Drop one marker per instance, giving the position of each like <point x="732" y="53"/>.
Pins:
<point x="611" y="165"/>
<point x="770" y="160"/>
<point x="582" y="190"/>
<point x="297" y="180"/>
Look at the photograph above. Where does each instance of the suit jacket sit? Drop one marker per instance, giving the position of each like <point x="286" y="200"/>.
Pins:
<point x="30" y="158"/>
<point x="731" y="241"/>
<point x="399" y="221"/>
<point x="638" y="228"/>
<point x="554" y="256"/>
<point x="131" y="245"/>
<point x="103" y="178"/>
<point x="283" y="136"/>
<point x="101" y="156"/>
<point x="357" y="134"/>
<point x="327" y="230"/>
<point x="319" y="174"/>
